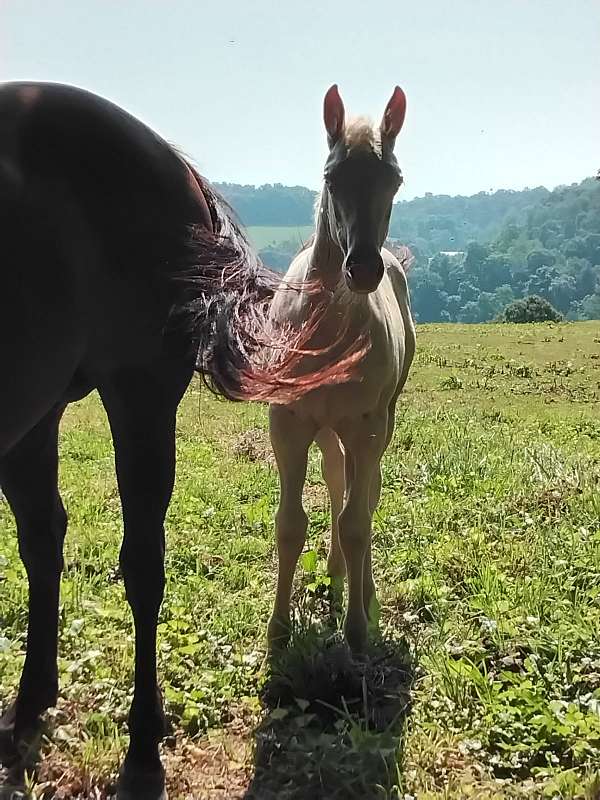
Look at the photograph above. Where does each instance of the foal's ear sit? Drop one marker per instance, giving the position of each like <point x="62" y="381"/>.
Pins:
<point x="333" y="114"/>
<point x="393" y="116"/>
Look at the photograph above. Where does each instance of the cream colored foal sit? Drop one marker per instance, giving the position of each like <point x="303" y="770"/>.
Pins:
<point x="352" y="422"/>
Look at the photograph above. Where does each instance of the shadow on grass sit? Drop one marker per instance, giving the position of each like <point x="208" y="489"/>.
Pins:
<point x="334" y="725"/>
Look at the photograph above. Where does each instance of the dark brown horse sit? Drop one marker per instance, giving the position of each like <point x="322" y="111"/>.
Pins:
<point x="122" y="271"/>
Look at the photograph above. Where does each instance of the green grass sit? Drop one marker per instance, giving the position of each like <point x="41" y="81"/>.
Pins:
<point x="487" y="557"/>
<point x="263" y="236"/>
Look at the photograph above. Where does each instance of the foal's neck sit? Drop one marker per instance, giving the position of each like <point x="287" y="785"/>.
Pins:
<point x="327" y="257"/>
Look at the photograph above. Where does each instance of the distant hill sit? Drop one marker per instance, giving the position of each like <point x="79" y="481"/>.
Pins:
<point x="441" y="222"/>
<point x="473" y="255"/>
<point x="271" y="204"/>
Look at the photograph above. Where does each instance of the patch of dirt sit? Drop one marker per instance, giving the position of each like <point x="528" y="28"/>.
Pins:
<point x="316" y="497"/>
<point x="215" y="768"/>
<point x="59" y="779"/>
<point x="550" y="503"/>
<point x="253" y="445"/>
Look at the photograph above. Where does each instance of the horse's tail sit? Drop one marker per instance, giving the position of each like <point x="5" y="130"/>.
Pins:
<point x="240" y="354"/>
<point x="404" y="256"/>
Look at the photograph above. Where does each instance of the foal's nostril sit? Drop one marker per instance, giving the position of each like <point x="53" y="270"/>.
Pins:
<point x="364" y="271"/>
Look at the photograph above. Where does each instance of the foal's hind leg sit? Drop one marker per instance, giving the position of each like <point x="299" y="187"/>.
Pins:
<point x="332" y="467"/>
<point x="142" y="409"/>
<point x="369" y="589"/>
<point x="29" y="479"/>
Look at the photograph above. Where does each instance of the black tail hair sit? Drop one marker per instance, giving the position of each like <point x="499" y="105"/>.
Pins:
<point x="239" y="354"/>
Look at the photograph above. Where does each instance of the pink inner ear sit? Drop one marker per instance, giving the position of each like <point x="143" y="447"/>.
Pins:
<point x="333" y="112"/>
<point x="393" y="117"/>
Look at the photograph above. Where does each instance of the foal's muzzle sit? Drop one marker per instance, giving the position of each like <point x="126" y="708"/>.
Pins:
<point x="363" y="270"/>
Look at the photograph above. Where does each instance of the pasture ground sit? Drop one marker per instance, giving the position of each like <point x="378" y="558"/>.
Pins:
<point x="487" y="557"/>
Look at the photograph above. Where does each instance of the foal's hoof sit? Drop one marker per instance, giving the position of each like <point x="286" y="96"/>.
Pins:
<point x="357" y="638"/>
<point x="358" y="647"/>
<point x="138" y="784"/>
<point x="278" y="636"/>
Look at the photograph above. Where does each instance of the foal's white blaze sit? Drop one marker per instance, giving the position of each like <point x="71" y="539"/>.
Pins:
<point x="351" y="422"/>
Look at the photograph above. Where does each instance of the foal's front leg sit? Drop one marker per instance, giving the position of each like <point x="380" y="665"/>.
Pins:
<point x="291" y="438"/>
<point x="364" y="441"/>
<point x="142" y="410"/>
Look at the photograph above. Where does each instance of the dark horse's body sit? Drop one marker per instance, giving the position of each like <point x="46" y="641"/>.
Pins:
<point x="107" y="239"/>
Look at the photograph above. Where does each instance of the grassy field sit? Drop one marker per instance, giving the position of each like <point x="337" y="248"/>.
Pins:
<point x="263" y="236"/>
<point x="487" y="555"/>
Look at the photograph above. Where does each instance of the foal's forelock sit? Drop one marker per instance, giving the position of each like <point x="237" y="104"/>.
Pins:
<point x="361" y="139"/>
<point x="362" y="135"/>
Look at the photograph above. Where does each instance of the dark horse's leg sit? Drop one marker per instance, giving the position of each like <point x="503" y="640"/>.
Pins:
<point x="142" y="408"/>
<point x="29" y="479"/>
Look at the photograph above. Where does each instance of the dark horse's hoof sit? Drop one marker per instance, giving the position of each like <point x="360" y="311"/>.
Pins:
<point x="12" y="758"/>
<point x="12" y="784"/>
<point x="8" y="750"/>
<point x="137" y="784"/>
<point x="25" y="750"/>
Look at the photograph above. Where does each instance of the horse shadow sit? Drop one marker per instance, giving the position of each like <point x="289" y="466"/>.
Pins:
<point x="333" y="725"/>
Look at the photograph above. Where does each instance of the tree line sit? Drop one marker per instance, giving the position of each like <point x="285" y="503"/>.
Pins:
<point x="473" y="255"/>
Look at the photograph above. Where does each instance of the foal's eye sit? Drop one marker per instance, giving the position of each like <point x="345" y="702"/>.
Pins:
<point x="332" y="180"/>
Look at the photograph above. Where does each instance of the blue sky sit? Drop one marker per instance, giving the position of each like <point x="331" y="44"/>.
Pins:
<point x="501" y="93"/>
